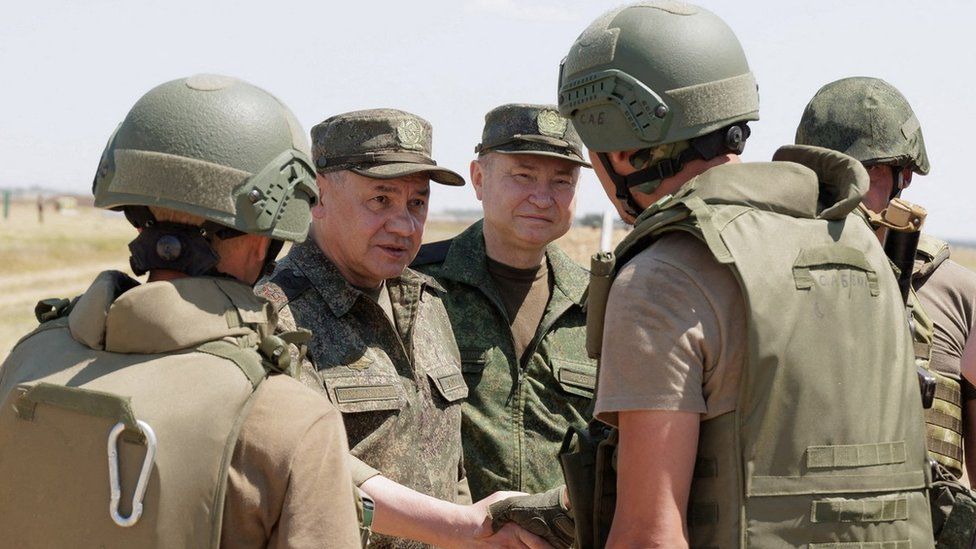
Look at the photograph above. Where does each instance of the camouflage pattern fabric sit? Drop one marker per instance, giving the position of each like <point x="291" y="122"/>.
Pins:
<point x="516" y="414"/>
<point x="540" y="130"/>
<point x="378" y="143"/>
<point x="399" y="389"/>
<point x="868" y="119"/>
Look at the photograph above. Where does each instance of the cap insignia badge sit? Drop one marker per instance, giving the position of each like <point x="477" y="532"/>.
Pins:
<point x="410" y="134"/>
<point x="551" y="124"/>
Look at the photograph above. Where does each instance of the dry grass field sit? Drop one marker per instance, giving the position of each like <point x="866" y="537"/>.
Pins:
<point x="59" y="257"/>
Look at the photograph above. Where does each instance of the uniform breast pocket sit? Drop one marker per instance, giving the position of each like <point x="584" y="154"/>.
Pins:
<point x="368" y="385"/>
<point x="448" y="382"/>
<point x="574" y="377"/>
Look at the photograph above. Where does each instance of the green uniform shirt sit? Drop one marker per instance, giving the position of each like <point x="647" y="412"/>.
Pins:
<point x="516" y="413"/>
<point x="398" y="385"/>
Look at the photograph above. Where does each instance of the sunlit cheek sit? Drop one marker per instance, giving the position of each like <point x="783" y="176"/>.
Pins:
<point x="419" y="222"/>
<point x="377" y="227"/>
<point x="569" y="209"/>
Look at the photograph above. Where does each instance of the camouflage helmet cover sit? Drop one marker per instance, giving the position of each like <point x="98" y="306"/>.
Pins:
<point x="868" y="119"/>
<point x="653" y="73"/>
<point x="215" y="147"/>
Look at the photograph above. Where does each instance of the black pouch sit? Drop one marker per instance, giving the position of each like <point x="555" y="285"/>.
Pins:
<point x="953" y="511"/>
<point x="586" y="457"/>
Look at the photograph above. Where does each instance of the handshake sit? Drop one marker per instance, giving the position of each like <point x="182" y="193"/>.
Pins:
<point x="546" y="515"/>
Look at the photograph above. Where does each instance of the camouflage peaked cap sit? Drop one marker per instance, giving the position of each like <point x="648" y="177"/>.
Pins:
<point x="519" y="128"/>
<point x="378" y="143"/>
<point x="866" y="118"/>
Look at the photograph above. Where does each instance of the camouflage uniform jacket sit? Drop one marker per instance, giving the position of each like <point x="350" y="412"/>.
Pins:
<point x="516" y="414"/>
<point x="399" y="390"/>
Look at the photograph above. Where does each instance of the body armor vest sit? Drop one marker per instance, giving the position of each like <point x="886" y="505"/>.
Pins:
<point x="109" y="445"/>
<point x="825" y="448"/>
<point x="943" y="420"/>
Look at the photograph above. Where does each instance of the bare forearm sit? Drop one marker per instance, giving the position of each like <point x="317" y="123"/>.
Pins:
<point x="653" y="486"/>
<point x="406" y="513"/>
<point x="664" y="528"/>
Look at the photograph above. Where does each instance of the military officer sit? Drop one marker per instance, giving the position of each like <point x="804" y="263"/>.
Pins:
<point x="382" y="349"/>
<point x="870" y="120"/>
<point x="515" y="302"/>
<point x="755" y="405"/>
<point x="207" y="444"/>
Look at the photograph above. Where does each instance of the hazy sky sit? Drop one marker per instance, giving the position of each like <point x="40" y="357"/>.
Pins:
<point x="69" y="71"/>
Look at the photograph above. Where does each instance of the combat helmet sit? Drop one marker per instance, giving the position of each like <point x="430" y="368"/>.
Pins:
<point x="868" y="119"/>
<point x="214" y="147"/>
<point x="657" y="73"/>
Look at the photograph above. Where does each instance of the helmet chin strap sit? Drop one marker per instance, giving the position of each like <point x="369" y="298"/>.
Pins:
<point x="898" y="181"/>
<point x="731" y="139"/>
<point x="274" y="248"/>
<point x="621" y="186"/>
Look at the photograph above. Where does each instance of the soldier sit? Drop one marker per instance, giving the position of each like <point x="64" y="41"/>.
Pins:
<point x="515" y="302"/>
<point x="207" y="445"/>
<point x="758" y="403"/>
<point x="870" y="120"/>
<point x="382" y="345"/>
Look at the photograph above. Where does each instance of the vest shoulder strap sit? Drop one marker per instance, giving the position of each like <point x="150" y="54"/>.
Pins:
<point x="250" y="361"/>
<point x="931" y="253"/>
<point x="654" y="221"/>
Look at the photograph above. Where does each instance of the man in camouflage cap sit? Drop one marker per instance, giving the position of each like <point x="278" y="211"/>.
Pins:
<point x="870" y="120"/>
<point x="382" y="349"/>
<point x="515" y="302"/>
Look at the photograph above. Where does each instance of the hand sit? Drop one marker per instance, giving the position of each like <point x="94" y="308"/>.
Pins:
<point x="475" y="528"/>
<point x="545" y="515"/>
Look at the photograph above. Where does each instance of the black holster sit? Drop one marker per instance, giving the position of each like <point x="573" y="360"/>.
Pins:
<point x="587" y="459"/>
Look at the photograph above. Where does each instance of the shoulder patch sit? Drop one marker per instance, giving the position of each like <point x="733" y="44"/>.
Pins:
<point x="435" y="252"/>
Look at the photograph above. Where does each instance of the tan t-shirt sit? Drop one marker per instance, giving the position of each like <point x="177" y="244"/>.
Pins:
<point x="289" y="483"/>
<point x="674" y="335"/>
<point x="949" y="298"/>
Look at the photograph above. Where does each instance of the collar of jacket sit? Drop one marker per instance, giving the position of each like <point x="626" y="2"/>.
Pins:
<point x="339" y="295"/>
<point x="466" y="263"/>
<point x="119" y="315"/>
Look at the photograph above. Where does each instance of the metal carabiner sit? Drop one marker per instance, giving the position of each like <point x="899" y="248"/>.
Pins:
<point x="113" y="473"/>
